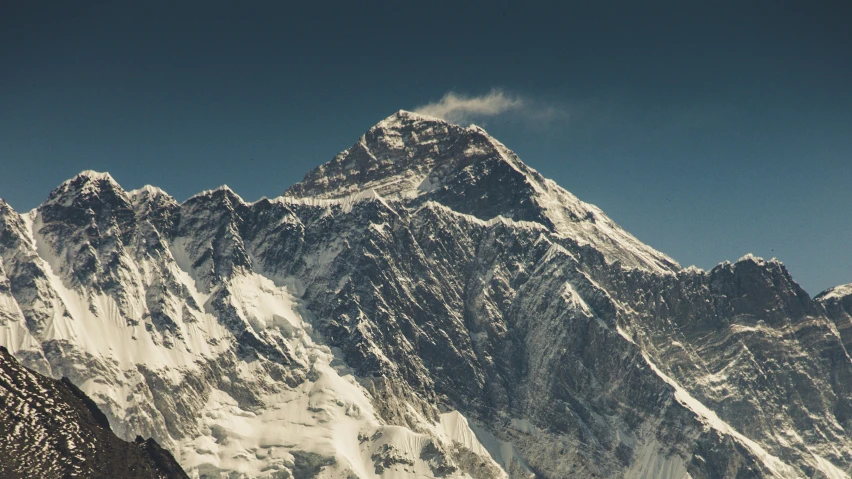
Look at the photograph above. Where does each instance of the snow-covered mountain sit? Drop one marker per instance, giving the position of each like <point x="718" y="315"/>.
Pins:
<point x="424" y="305"/>
<point x="49" y="429"/>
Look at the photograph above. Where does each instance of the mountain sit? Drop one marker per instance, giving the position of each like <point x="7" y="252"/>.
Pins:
<point x="424" y="305"/>
<point x="50" y="429"/>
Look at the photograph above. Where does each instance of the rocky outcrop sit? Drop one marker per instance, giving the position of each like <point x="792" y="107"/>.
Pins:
<point x="51" y="429"/>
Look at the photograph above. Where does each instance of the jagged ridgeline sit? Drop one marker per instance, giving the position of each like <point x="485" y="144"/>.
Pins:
<point x="424" y="305"/>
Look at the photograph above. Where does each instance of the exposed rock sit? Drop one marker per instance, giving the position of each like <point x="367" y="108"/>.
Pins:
<point x="51" y="429"/>
<point x="424" y="303"/>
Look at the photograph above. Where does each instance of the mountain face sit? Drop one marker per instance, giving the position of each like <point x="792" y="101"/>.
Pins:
<point x="838" y="304"/>
<point x="424" y="305"/>
<point x="50" y="429"/>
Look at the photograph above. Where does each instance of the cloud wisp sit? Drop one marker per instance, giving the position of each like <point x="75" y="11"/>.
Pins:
<point x="460" y="109"/>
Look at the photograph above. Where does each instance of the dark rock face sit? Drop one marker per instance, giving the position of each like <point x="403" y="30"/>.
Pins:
<point x="528" y="320"/>
<point x="502" y="322"/>
<point x="838" y="305"/>
<point x="448" y="276"/>
<point x="51" y="429"/>
<point x="750" y="344"/>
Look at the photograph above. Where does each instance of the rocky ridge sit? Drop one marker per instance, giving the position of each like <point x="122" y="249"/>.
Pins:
<point x="426" y="304"/>
<point x="51" y="429"/>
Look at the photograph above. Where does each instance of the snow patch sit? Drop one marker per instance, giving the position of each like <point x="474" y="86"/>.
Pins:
<point x="710" y="419"/>
<point x="837" y="292"/>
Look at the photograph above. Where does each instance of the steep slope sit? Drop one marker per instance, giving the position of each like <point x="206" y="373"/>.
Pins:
<point x="409" y="156"/>
<point x="424" y="304"/>
<point x="155" y="312"/>
<point x="837" y="302"/>
<point x="50" y="429"/>
<point x="749" y="344"/>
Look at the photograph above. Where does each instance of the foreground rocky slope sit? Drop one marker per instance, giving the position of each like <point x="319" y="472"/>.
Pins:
<point x="50" y="429"/>
<point x="423" y="305"/>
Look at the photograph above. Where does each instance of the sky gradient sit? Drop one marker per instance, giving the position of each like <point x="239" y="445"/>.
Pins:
<point x="708" y="131"/>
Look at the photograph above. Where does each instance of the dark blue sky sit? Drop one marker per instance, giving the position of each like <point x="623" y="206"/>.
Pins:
<point x="708" y="131"/>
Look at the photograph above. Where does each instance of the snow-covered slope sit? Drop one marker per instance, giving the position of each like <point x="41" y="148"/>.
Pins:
<point x="50" y="429"/>
<point x="424" y="305"/>
<point x="181" y="340"/>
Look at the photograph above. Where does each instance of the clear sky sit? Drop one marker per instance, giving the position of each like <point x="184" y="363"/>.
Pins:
<point x="707" y="129"/>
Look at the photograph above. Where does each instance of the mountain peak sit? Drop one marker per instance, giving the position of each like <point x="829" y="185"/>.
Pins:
<point x="835" y="292"/>
<point x="221" y="192"/>
<point x="147" y="191"/>
<point x="413" y="157"/>
<point x="95" y="176"/>
<point x="750" y="257"/>
<point x="86" y="186"/>
<point x="403" y="117"/>
<point x="403" y="155"/>
<point x="393" y="157"/>
<point x="90" y="179"/>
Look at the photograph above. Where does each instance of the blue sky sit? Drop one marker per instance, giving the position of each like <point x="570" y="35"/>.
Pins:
<point x="708" y="131"/>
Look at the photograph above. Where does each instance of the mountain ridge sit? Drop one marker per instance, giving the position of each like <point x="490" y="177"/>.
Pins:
<point x="397" y="330"/>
